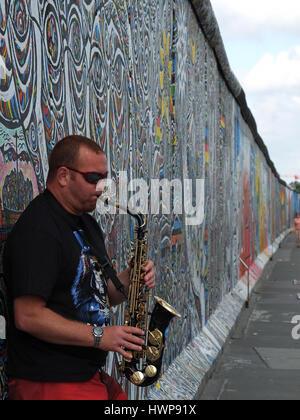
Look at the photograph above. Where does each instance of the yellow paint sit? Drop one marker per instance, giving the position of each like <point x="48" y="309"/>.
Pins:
<point x="193" y="51"/>
<point x="158" y="132"/>
<point x="162" y="56"/>
<point x="162" y="79"/>
<point x="163" y="107"/>
<point x="9" y="107"/>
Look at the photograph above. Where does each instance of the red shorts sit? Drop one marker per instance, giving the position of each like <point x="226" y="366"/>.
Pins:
<point x="98" y="388"/>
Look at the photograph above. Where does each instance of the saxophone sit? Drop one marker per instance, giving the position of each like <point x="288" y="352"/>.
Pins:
<point x="145" y="367"/>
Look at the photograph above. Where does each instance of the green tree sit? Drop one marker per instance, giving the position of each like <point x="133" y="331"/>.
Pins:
<point x="295" y="186"/>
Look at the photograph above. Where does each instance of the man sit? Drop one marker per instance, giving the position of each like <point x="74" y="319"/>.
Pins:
<point x="297" y="229"/>
<point x="59" y="292"/>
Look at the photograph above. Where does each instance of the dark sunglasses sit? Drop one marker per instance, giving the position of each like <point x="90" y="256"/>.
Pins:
<point x="90" y="177"/>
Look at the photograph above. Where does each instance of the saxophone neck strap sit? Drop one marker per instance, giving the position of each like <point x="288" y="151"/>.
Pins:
<point x="110" y="272"/>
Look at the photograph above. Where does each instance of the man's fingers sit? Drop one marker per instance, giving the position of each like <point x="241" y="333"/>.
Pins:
<point x="125" y="354"/>
<point x="129" y="347"/>
<point x="134" y="347"/>
<point x="133" y="339"/>
<point x="134" y="331"/>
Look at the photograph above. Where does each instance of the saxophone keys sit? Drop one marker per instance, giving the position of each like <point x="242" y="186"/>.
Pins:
<point x="141" y="308"/>
<point x="153" y="354"/>
<point x="151" y="371"/>
<point x="137" y="378"/>
<point x="156" y="337"/>
<point x="137" y="355"/>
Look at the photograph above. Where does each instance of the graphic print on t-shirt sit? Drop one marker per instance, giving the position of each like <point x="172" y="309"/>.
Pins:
<point x="89" y="290"/>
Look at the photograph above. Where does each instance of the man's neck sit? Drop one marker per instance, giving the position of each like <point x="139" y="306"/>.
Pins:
<point x="61" y="198"/>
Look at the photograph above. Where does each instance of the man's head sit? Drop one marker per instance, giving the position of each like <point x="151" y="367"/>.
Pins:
<point x="76" y="166"/>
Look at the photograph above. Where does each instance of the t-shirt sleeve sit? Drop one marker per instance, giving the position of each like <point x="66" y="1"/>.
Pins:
<point x="33" y="263"/>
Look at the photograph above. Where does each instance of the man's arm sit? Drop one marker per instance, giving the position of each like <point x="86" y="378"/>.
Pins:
<point x="33" y="317"/>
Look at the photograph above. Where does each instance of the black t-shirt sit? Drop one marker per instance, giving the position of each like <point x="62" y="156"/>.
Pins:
<point x="51" y="254"/>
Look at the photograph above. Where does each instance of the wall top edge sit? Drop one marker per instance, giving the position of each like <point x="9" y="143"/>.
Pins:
<point x="210" y="27"/>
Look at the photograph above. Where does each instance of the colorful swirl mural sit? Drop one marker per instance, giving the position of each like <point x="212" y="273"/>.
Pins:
<point x="142" y="80"/>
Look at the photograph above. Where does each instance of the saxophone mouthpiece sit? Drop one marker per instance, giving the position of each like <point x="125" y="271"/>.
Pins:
<point x="106" y="201"/>
<point x="105" y="197"/>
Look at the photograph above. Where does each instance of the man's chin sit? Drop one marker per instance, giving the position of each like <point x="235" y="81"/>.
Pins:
<point x="90" y="207"/>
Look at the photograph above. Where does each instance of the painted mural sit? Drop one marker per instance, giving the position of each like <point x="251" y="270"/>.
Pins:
<point x="141" y="79"/>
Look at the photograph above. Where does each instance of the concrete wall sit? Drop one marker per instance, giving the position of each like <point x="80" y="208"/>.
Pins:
<point x="149" y="81"/>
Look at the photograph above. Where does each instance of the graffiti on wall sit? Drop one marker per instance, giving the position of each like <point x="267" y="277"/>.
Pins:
<point x="140" y="78"/>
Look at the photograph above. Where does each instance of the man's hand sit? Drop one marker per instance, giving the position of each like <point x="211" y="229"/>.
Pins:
<point x="149" y="275"/>
<point x="118" y="338"/>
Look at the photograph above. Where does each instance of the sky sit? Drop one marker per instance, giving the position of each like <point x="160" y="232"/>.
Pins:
<point x="262" y="41"/>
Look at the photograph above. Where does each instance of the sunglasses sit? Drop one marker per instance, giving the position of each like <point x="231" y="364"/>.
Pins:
<point x="90" y="177"/>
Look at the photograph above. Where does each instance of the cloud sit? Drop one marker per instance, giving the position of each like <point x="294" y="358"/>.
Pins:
<point x="276" y="72"/>
<point x="247" y="17"/>
<point x="265" y="55"/>
<point x="273" y="95"/>
<point x="277" y="118"/>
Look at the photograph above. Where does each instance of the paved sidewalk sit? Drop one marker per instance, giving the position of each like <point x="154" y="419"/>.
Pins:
<point x="261" y="360"/>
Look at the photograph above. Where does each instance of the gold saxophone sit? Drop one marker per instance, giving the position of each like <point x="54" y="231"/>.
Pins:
<point x="145" y="367"/>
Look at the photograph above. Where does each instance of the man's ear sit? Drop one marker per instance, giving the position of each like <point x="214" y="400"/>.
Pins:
<point x="63" y="176"/>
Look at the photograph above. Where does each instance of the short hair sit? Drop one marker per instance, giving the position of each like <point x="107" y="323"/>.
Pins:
<point x="66" y="153"/>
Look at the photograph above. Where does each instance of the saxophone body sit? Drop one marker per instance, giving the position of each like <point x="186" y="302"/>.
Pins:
<point x="144" y="368"/>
